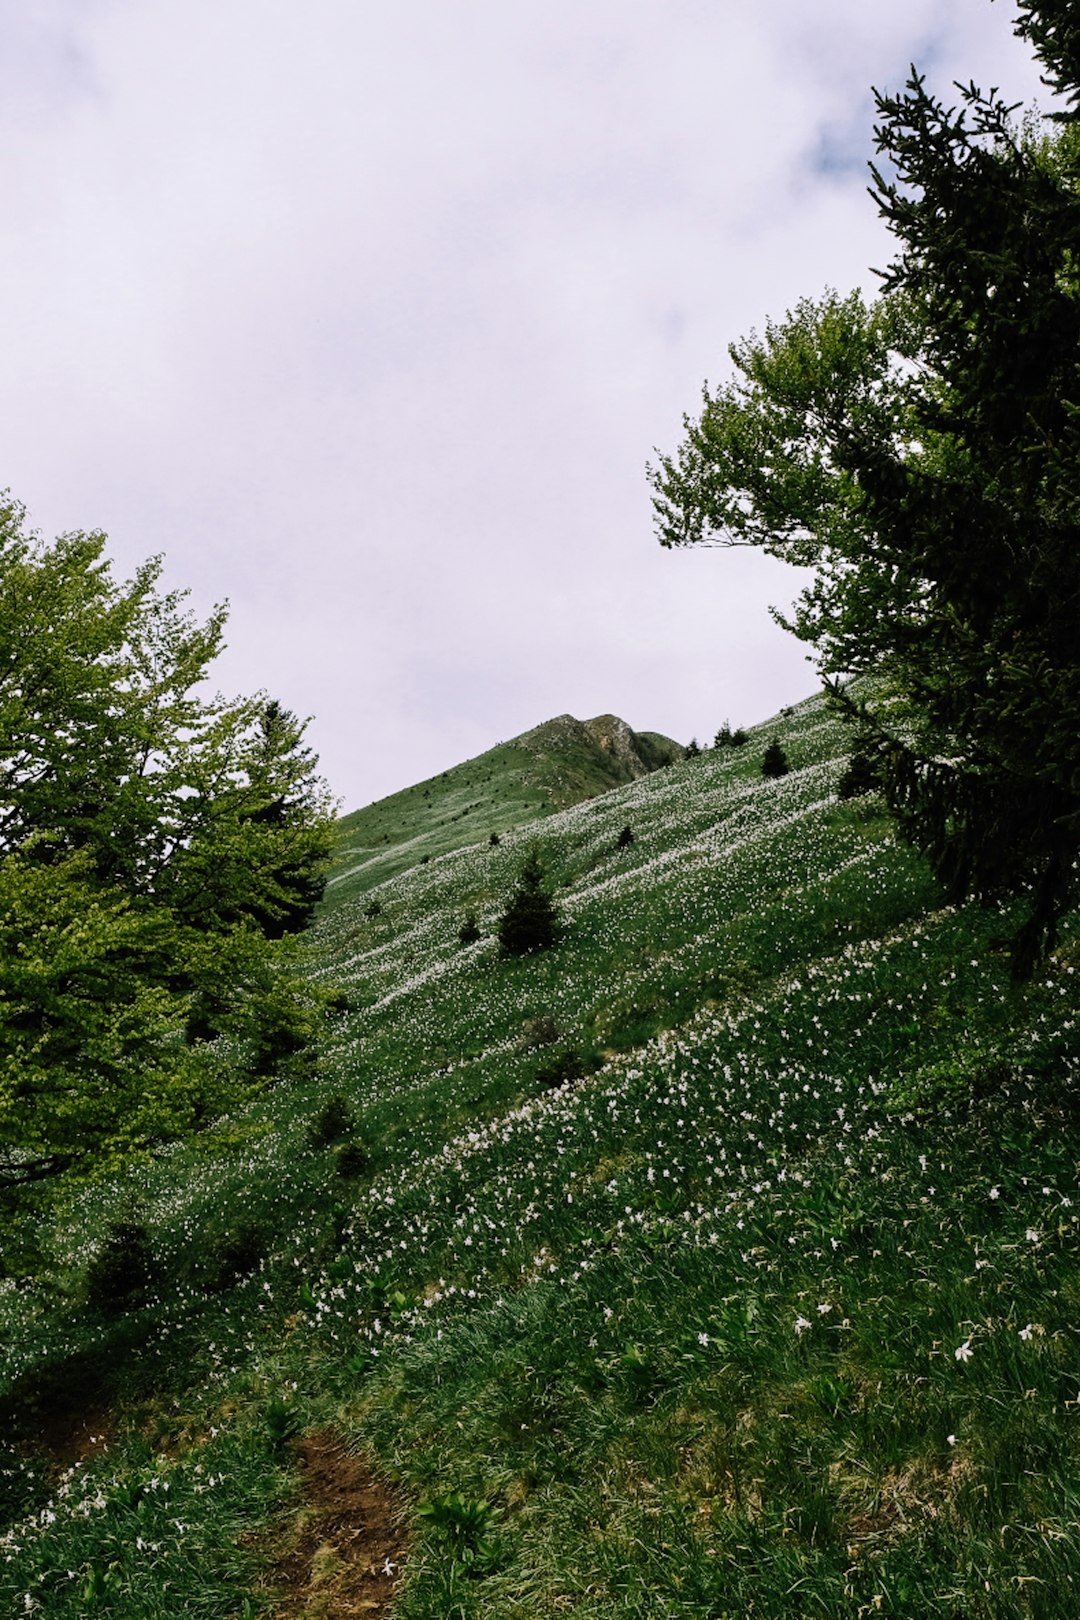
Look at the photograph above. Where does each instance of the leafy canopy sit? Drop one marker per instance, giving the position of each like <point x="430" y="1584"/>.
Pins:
<point x="158" y="851"/>
<point x="921" y="453"/>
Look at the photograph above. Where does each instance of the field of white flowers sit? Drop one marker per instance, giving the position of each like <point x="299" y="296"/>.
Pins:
<point x="721" y="1261"/>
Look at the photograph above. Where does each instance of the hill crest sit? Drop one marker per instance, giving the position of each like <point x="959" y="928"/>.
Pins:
<point x="557" y="764"/>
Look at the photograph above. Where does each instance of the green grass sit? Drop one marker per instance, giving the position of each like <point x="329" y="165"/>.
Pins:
<point x="555" y="765"/>
<point x="678" y="1337"/>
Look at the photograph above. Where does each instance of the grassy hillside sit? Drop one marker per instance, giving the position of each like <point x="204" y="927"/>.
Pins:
<point x="514" y="784"/>
<point x="721" y="1262"/>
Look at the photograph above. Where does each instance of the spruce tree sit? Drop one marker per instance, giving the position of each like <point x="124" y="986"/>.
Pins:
<point x="530" y="921"/>
<point x="775" y="762"/>
<point x="922" y="454"/>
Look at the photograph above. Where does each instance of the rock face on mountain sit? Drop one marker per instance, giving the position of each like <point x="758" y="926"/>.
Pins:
<point x="605" y="751"/>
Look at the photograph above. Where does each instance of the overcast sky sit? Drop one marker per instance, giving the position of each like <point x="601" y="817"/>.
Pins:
<point x="369" y="317"/>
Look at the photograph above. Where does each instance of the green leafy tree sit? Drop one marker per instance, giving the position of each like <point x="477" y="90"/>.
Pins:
<point x="158" y="852"/>
<point x="530" y="921"/>
<point x="922" y="454"/>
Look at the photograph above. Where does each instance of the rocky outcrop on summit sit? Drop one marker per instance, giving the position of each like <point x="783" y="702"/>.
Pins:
<point x="605" y="750"/>
<point x="633" y="752"/>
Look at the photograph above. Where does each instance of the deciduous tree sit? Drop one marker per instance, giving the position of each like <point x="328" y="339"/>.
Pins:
<point x="158" y="848"/>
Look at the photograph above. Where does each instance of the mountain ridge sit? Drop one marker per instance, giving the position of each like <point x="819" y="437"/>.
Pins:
<point x="552" y="766"/>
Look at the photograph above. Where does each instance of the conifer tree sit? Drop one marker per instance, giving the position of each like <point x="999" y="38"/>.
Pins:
<point x="530" y="921"/>
<point x="775" y="761"/>
<point x="922" y="454"/>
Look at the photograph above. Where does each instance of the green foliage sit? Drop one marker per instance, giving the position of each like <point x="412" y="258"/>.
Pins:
<point x="351" y="1159"/>
<point x="775" y="760"/>
<point x="466" y="1524"/>
<point x="726" y="738"/>
<point x="562" y="1070"/>
<point x="121" y="1273"/>
<point x="469" y="932"/>
<point x="921" y="453"/>
<point x="282" y="1425"/>
<point x="333" y="1121"/>
<point x="157" y="850"/>
<point x="693" y="749"/>
<point x="530" y="921"/>
<point x="862" y="773"/>
<point x="625" y="838"/>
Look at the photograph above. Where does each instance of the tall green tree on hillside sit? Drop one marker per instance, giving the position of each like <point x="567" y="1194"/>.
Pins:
<point x="922" y="454"/>
<point x="530" y="921"/>
<point x="158" y="848"/>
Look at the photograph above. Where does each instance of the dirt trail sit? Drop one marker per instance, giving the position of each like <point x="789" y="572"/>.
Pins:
<point x="349" y="1542"/>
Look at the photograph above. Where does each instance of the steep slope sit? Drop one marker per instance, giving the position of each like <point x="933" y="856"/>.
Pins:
<point x="554" y="765"/>
<point x="721" y="1262"/>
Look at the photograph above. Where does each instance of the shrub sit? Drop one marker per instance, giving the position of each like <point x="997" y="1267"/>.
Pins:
<point x="625" y="838"/>
<point x="861" y="774"/>
<point x="235" y="1253"/>
<point x="723" y="736"/>
<point x="351" y="1159"/>
<point x="530" y="921"/>
<point x="333" y="1122"/>
<point x="775" y="762"/>
<point x="540" y="1031"/>
<point x="469" y="932"/>
<point x="494" y="840"/>
<point x="373" y="908"/>
<point x="119" y="1276"/>
<point x="693" y="748"/>
<point x="566" y="1068"/>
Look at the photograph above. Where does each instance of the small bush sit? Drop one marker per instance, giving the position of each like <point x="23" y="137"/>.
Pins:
<point x="540" y="1031"/>
<point x="351" y="1159"/>
<point x="530" y="921"/>
<point x="566" y="1068"/>
<point x="119" y="1276"/>
<point x="469" y="932"/>
<point x="373" y="908"/>
<point x="693" y="748"/>
<point x="494" y="840"/>
<point x="333" y="1122"/>
<point x="625" y="838"/>
<point x="775" y="762"/>
<point x="235" y="1253"/>
<point x="862" y="772"/>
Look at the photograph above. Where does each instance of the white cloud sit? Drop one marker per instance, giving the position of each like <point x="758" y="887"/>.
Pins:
<point x="370" y="316"/>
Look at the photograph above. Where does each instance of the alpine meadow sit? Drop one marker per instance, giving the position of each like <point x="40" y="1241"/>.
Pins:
<point x="611" y="1178"/>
